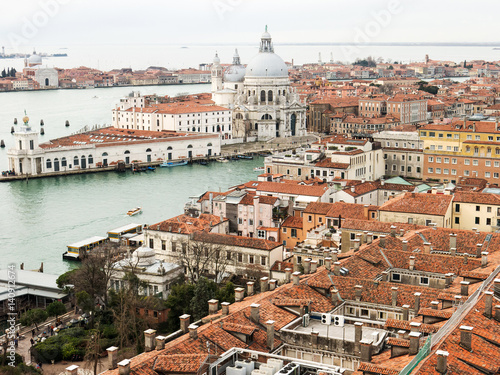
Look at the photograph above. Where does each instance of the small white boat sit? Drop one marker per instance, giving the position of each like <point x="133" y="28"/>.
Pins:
<point x="135" y="211"/>
<point x="222" y="160"/>
<point x="259" y="169"/>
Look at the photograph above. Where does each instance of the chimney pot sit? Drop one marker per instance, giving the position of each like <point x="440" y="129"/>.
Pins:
<point x="193" y="331"/>
<point x="272" y="284"/>
<point x="254" y="312"/>
<point x="185" y="321"/>
<point x="124" y="367"/>
<point x="213" y="306"/>
<point x="414" y="342"/>
<point x="464" y="288"/>
<point x="263" y="284"/>
<point x="160" y="342"/>
<point x="488" y="304"/>
<point x="250" y="288"/>
<point x="225" y="308"/>
<point x="149" y="339"/>
<point x="296" y="278"/>
<point x="239" y="294"/>
<point x="394" y="295"/>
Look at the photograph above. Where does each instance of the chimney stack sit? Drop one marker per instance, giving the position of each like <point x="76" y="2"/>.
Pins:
<point x="336" y="268"/>
<point x="406" y="312"/>
<point x="149" y="339"/>
<point x="412" y="262"/>
<point x="335" y="296"/>
<point x="385" y="276"/>
<point x="250" y="288"/>
<point x="394" y="295"/>
<point x="416" y="305"/>
<point x="307" y="266"/>
<point x="263" y="284"/>
<point x="466" y="337"/>
<point x="239" y="294"/>
<point x="415" y="326"/>
<point x="448" y="279"/>
<point x="453" y="251"/>
<point x="382" y="241"/>
<point x="496" y="287"/>
<point x="484" y="259"/>
<point x="464" y="288"/>
<point x="356" y="244"/>
<point x="112" y="357"/>
<point x="479" y="246"/>
<point x="434" y="305"/>
<point x="366" y="350"/>
<point x="160" y="342"/>
<point x="453" y="241"/>
<point x="365" y="212"/>
<point x="497" y="313"/>
<point x="225" y="308"/>
<point x="427" y="247"/>
<point x="254" y="313"/>
<point x="314" y="266"/>
<point x="124" y="367"/>
<point x="358" y="334"/>
<point x="488" y="304"/>
<point x="369" y="238"/>
<point x="288" y="275"/>
<point x="365" y="234"/>
<point x="328" y="263"/>
<point x="393" y="230"/>
<point x="358" y="289"/>
<point x="314" y="339"/>
<point x="335" y="257"/>
<point x="270" y="334"/>
<point x="185" y="321"/>
<point x="414" y="342"/>
<point x="442" y="359"/>
<point x="272" y="284"/>
<point x="296" y="278"/>
<point x="213" y="306"/>
<point x="405" y="245"/>
<point x="193" y="331"/>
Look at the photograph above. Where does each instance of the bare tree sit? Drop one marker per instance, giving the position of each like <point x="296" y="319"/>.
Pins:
<point x="93" y="350"/>
<point x="200" y="258"/>
<point x="386" y="89"/>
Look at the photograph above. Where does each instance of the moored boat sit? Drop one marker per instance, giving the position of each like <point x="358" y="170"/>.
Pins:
<point x="222" y="160"/>
<point x="134" y="211"/>
<point x="259" y="169"/>
<point x="173" y="163"/>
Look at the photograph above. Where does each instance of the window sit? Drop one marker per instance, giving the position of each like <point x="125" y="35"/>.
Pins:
<point x="151" y="243"/>
<point x="467" y="161"/>
<point x="488" y="209"/>
<point x="382" y="315"/>
<point x="240" y="257"/>
<point x="438" y="160"/>
<point x="263" y="260"/>
<point x="446" y="171"/>
<point x="49" y="163"/>
<point x="475" y="162"/>
<point x="497" y="164"/>
<point x="478" y="137"/>
<point x="476" y="221"/>
<point x="75" y="160"/>
<point x="457" y="220"/>
<point x="430" y="170"/>
<point x="228" y="255"/>
<point x="410" y="220"/>
<point x="64" y="162"/>
<point x="364" y="313"/>
<point x="478" y="208"/>
<point x="395" y="277"/>
<point x="438" y="170"/>
<point x="250" y="221"/>
<point x="240" y="220"/>
<point x="487" y="174"/>
<point x="293" y="233"/>
<point x="431" y="159"/>
<point x="309" y="218"/>
<point x="432" y="134"/>
<point x="469" y="137"/>
<point x="174" y="248"/>
<point x="447" y="160"/>
<point x="488" y="221"/>
<point x="488" y="163"/>
<point x="163" y="245"/>
<point x="453" y="171"/>
<point x="251" y="259"/>
<point x="424" y="280"/>
<point x="440" y="135"/>
<point x="351" y="311"/>
<point x="453" y="161"/>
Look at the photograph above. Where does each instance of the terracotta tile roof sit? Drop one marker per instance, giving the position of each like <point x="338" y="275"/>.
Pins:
<point x="240" y="328"/>
<point x="292" y="189"/>
<point x="431" y="204"/>
<point x="376" y="369"/>
<point x="179" y="363"/>
<point x="293" y="222"/>
<point x="327" y="163"/>
<point x="404" y="324"/>
<point x="239" y="241"/>
<point x="318" y="208"/>
<point x="186" y="224"/>
<point x="398" y="342"/>
<point x="473" y="197"/>
<point x="377" y="226"/>
<point x="206" y="196"/>
<point x="349" y="210"/>
<point x="443" y="314"/>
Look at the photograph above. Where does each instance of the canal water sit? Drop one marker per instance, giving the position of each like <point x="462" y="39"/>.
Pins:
<point x="40" y="218"/>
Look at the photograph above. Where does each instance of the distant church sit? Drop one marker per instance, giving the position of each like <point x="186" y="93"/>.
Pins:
<point x="45" y="76"/>
<point x="264" y="105"/>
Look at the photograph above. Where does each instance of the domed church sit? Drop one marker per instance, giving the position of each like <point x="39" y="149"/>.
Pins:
<point x="264" y="105"/>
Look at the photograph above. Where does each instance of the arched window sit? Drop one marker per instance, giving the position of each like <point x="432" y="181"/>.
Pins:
<point x="64" y="163"/>
<point x="256" y="126"/>
<point x="75" y="161"/>
<point x="190" y="146"/>
<point x="127" y="152"/>
<point x="91" y="159"/>
<point x="293" y="123"/>
<point x="49" y="163"/>
<point x="266" y="117"/>
<point x="239" y="116"/>
<point x="193" y="129"/>
<point x="218" y="128"/>
<point x="169" y="148"/>
<point x="262" y="96"/>
<point x="104" y="154"/>
<point x="270" y="96"/>
<point x="148" y="150"/>
<point x="209" y="145"/>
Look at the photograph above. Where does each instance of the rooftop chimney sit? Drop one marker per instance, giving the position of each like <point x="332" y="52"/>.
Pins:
<point x="406" y="312"/>
<point x="185" y="321"/>
<point x="416" y="305"/>
<point x="239" y="294"/>
<point x="254" y="313"/>
<point x="307" y="266"/>
<point x="365" y="211"/>
<point x="405" y="245"/>
<point x="272" y="284"/>
<point x="412" y="262"/>
<point x="124" y="367"/>
<point x="213" y="306"/>
<point x="335" y="296"/>
<point x="358" y="289"/>
<point x="149" y="339"/>
<point x="335" y="257"/>
<point x="393" y="230"/>
<point x="112" y="357"/>
<point x="434" y="305"/>
<point x="264" y="283"/>
<point x="453" y="251"/>
<point x="314" y="339"/>
<point x="466" y="337"/>
<point x="160" y="342"/>
<point x="442" y="359"/>
<point x="336" y="268"/>
<point x="250" y="288"/>
<point x="366" y="350"/>
<point x="427" y="247"/>
<point x="270" y="334"/>
<point x="453" y="241"/>
<point x="488" y="304"/>
<point x="414" y="342"/>
<point x="358" y="334"/>
<point x="288" y="274"/>
<point x="369" y="238"/>
<point x="479" y="246"/>
<point x="394" y="295"/>
<point x="382" y="240"/>
<point x="314" y="266"/>
<point x="448" y="279"/>
<point x="363" y="239"/>
<point x="484" y="259"/>
<point x="464" y="288"/>
<point x="193" y="331"/>
<point x="356" y="244"/>
<point x="328" y="263"/>
<point x="385" y="276"/>
<point x="497" y="313"/>
<point x="296" y="278"/>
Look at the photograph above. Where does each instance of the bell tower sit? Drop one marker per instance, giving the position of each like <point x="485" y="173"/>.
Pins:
<point x="216" y="75"/>
<point x="21" y="157"/>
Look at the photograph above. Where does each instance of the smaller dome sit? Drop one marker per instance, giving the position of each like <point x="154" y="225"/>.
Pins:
<point x="216" y="59"/>
<point x="144" y="255"/>
<point x="234" y="73"/>
<point x="35" y="59"/>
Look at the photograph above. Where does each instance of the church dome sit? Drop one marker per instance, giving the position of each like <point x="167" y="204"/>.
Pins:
<point x="145" y="256"/>
<point x="35" y="59"/>
<point x="266" y="63"/>
<point x="235" y="72"/>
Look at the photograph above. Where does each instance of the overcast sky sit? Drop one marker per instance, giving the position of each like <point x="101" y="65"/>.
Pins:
<point x="70" y="22"/>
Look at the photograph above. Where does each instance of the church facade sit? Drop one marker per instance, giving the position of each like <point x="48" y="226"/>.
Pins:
<point x="263" y="103"/>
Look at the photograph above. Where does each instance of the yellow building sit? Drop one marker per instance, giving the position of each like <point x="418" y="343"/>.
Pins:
<point x="476" y="210"/>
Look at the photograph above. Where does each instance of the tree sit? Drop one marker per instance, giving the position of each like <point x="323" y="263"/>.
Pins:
<point x="93" y="349"/>
<point x="13" y="72"/>
<point x="204" y="290"/>
<point x="178" y="303"/>
<point x="4" y="73"/>
<point x="56" y="308"/>
<point x="387" y="89"/>
<point x="33" y="317"/>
